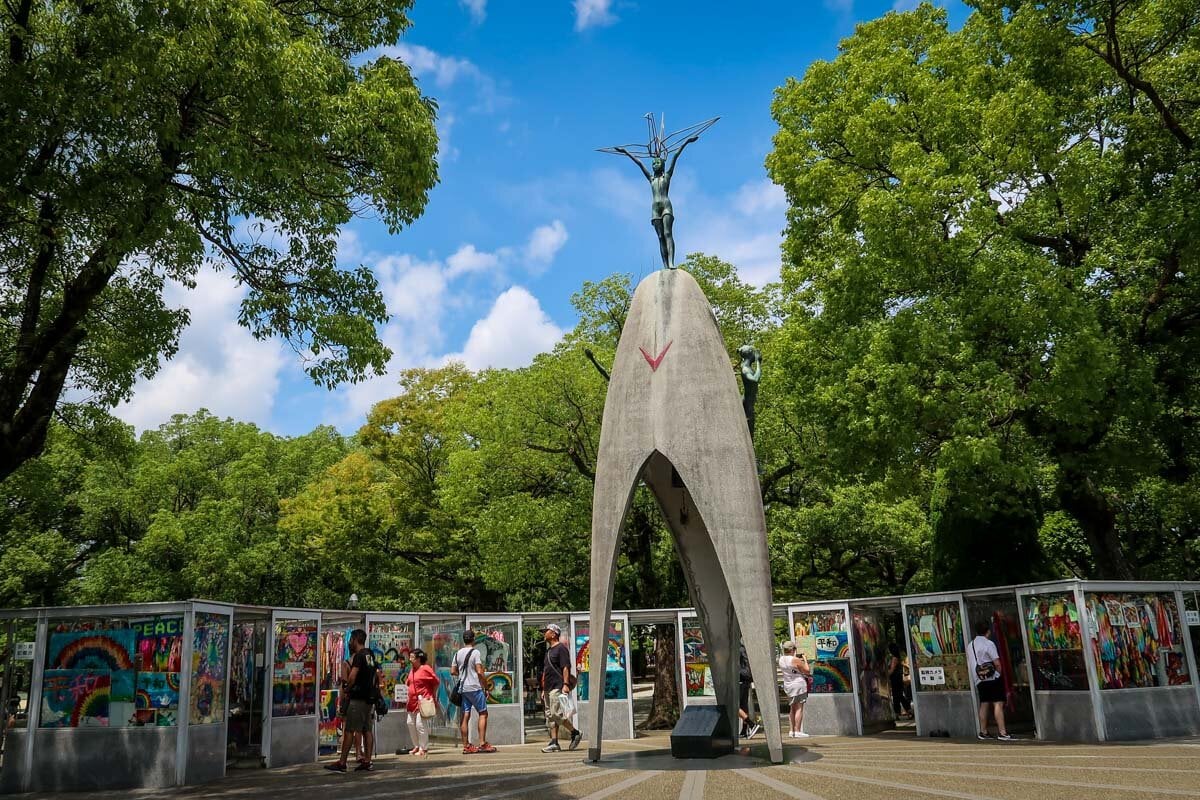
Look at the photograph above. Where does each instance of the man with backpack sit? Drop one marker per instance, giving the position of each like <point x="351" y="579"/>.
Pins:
<point x="468" y="667"/>
<point x="362" y="687"/>
<point x="557" y="683"/>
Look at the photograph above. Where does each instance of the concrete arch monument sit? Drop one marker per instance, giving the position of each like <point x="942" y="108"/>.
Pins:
<point x="673" y="418"/>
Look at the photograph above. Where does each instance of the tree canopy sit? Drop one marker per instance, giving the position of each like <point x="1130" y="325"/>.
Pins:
<point x="979" y="367"/>
<point x="991" y="240"/>
<point x="145" y="141"/>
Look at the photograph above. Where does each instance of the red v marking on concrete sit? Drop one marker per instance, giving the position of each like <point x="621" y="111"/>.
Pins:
<point x="654" y="362"/>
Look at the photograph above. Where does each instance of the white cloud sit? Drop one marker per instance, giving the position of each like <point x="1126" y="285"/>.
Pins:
<point x="513" y="332"/>
<point x="467" y="259"/>
<point x="593" y="13"/>
<point x="544" y="244"/>
<point x="761" y="197"/>
<point x="743" y="228"/>
<point x="446" y="151"/>
<point x="478" y="9"/>
<point x="421" y="294"/>
<point x="219" y="366"/>
<point x="446" y="71"/>
<point x="423" y="61"/>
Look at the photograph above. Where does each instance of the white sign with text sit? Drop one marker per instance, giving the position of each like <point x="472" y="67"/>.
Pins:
<point x="931" y="676"/>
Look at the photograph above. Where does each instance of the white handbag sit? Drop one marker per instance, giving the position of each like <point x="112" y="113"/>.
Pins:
<point x="428" y="708"/>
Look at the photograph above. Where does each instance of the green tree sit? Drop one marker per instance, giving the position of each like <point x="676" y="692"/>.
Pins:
<point x="145" y="140"/>
<point x="195" y="513"/>
<point x="989" y="237"/>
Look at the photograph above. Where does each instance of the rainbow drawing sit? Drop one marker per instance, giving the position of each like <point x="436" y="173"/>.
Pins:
<point x="107" y="650"/>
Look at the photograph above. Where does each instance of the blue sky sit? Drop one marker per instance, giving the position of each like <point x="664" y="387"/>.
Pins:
<point x="527" y="209"/>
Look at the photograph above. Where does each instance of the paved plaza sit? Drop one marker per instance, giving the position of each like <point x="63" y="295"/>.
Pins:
<point x="882" y="767"/>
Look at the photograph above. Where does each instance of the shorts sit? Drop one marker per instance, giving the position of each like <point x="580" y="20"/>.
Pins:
<point x="554" y="714"/>
<point x="360" y="715"/>
<point x="474" y="700"/>
<point x="799" y="699"/>
<point x="991" y="691"/>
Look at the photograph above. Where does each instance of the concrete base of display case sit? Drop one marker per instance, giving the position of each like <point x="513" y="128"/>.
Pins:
<point x="953" y="713"/>
<point x="1151" y="713"/>
<point x="831" y="714"/>
<point x="91" y="759"/>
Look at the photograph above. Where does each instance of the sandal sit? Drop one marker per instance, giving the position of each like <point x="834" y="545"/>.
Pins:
<point x="470" y="749"/>
<point x="486" y="748"/>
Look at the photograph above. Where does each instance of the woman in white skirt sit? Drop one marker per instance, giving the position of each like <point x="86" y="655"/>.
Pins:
<point x="795" y="685"/>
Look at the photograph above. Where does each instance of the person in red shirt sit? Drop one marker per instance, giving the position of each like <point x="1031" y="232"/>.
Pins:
<point x="422" y="682"/>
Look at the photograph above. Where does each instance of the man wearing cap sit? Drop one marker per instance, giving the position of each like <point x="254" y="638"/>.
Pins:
<point x="556" y="683"/>
<point x="468" y="663"/>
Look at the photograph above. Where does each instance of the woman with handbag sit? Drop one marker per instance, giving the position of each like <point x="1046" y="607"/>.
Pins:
<point x="422" y="701"/>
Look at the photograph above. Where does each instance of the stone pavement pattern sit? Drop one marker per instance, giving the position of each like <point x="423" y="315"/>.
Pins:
<point x="883" y="767"/>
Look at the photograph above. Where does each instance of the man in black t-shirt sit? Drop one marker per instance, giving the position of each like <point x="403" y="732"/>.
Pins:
<point x="362" y="686"/>
<point x="556" y="684"/>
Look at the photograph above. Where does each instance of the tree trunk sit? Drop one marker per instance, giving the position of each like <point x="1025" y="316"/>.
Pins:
<point x="664" y="706"/>
<point x="1080" y="497"/>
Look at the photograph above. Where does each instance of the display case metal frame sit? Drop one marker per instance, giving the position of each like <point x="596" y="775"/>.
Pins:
<point x="940" y="714"/>
<point x="506" y="723"/>
<point x="618" y="714"/>
<point x="391" y="731"/>
<point x="681" y="664"/>
<point x="827" y="710"/>
<point x="289" y="731"/>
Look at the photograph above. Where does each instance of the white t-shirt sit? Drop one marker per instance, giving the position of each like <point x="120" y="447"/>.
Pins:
<point x="982" y="647"/>
<point x="469" y="657"/>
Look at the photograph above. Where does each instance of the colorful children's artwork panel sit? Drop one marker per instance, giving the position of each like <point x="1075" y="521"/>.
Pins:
<point x="440" y="641"/>
<point x="938" y="649"/>
<point x="210" y="654"/>
<point x="328" y="728"/>
<point x="391" y="642"/>
<point x="157" y="690"/>
<point x="295" y="642"/>
<point x="1137" y="640"/>
<point x="74" y="698"/>
<point x="93" y="650"/>
<point x="831" y="676"/>
<point x="831" y="645"/>
<point x="159" y="644"/>
<point x="875" y="694"/>
<point x="824" y="639"/>
<point x="696" y="672"/>
<point x="496" y="643"/>
<point x="293" y="690"/>
<point x="615" y="681"/>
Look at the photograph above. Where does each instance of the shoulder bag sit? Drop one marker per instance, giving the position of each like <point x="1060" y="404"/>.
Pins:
<point x="456" y="692"/>
<point x="985" y="672"/>
<point x="381" y="703"/>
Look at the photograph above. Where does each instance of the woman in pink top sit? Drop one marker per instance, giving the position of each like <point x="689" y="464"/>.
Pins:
<point x="422" y="682"/>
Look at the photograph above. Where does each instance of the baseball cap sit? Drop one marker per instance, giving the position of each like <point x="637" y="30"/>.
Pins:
<point x="552" y="627"/>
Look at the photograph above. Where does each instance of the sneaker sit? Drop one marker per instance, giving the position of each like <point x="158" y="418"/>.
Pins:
<point x="753" y="730"/>
<point x="552" y="747"/>
<point x="576" y="738"/>
<point x="1004" y="737"/>
<point x="984" y="736"/>
<point x="470" y="750"/>
<point x="364" y="766"/>
<point x="802" y="735"/>
<point x="336" y="766"/>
